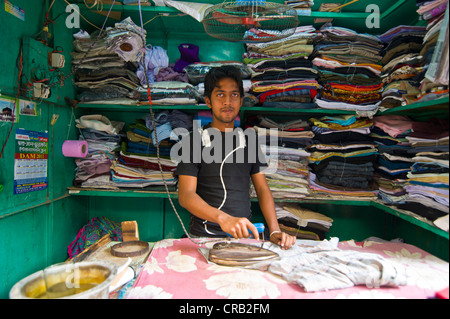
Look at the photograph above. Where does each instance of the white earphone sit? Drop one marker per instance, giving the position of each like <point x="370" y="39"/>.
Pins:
<point x="206" y="141"/>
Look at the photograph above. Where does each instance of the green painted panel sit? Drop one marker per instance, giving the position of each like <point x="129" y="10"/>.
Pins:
<point x="11" y="202"/>
<point x="353" y="222"/>
<point x="172" y="226"/>
<point x="147" y="212"/>
<point x="36" y="238"/>
<point x="68" y="216"/>
<point x="15" y="31"/>
<point x="24" y="246"/>
<point x="210" y="49"/>
<point x="418" y="236"/>
<point x="61" y="169"/>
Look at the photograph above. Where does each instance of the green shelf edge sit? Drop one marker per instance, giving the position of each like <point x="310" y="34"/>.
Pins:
<point x="140" y="107"/>
<point x="440" y="104"/>
<point x="293" y="110"/>
<point x="411" y="219"/>
<point x="324" y="201"/>
<point x="120" y="192"/>
<point x="314" y="14"/>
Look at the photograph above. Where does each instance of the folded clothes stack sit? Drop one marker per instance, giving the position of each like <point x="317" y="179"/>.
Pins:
<point x="301" y="222"/>
<point x="395" y="159"/>
<point x="283" y="145"/>
<point x="138" y="165"/>
<point x="291" y="177"/>
<point x="105" y="65"/>
<point x="428" y="180"/>
<point x="435" y="49"/>
<point x="342" y="157"/>
<point x="156" y="65"/>
<point x="103" y="137"/>
<point x="170" y="93"/>
<point x="282" y="75"/>
<point x="415" y="58"/>
<point x="403" y="62"/>
<point x="349" y="67"/>
<point x="291" y="134"/>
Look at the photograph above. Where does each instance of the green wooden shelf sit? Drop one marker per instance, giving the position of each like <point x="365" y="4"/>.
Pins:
<point x="436" y="105"/>
<point x="159" y="192"/>
<point x="140" y="107"/>
<point x="156" y="192"/>
<point x="251" y="109"/>
<point x="440" y="104"/>
<point x="405" y="216"/>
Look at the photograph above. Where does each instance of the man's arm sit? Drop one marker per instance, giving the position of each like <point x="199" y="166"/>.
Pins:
<point x="267" y="205"/>
<point x="190" y="200"/>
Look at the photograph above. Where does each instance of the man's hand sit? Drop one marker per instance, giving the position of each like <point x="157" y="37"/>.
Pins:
<point x="238" y="227"/>
<point x="282" y="239"/>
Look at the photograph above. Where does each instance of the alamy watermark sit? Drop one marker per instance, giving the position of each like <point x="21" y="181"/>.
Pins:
<point x="73" y="18"/>
<point x="373" y="19"/>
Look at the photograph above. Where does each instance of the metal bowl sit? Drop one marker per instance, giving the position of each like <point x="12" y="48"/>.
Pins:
<point x="98" y="274"/>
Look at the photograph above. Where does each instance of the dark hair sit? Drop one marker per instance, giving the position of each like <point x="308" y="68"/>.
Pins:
<point x="216" y="74"/>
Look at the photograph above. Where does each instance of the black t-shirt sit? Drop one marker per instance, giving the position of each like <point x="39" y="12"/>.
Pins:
<point x="204" y="161"/>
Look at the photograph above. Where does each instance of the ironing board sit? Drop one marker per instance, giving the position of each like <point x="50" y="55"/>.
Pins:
<point x="175" y="269"/>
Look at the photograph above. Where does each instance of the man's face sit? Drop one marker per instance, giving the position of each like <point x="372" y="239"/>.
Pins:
<point x="225" y="102"/>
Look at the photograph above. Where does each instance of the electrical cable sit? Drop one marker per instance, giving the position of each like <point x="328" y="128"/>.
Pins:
<point x="20" y="66"/>
<point x="64" y="78"/>
<point x="207" y="142"/>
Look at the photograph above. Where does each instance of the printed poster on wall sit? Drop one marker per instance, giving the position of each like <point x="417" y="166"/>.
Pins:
<point x="30" y="164"/>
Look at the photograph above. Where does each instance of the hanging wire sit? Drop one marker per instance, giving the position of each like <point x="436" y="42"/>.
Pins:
<point x="14" y="116"/>
<point x="75" y="68"/>
<point x="157" y="144"/>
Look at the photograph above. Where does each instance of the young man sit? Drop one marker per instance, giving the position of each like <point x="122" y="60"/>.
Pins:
<point x="216" y="192"/>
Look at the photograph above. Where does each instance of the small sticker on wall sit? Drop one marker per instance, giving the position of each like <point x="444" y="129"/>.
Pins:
<point x="27" y="108"/>
<point x="8" y="111"/>
<point x="14" y="10"/>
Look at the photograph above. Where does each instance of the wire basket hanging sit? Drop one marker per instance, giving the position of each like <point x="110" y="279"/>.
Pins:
<point x="250" y="21"/>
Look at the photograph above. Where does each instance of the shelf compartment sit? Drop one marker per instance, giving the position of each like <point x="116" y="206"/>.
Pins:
<point x="140" y="107"/>
<point x="440" y="104"/>
<point x="158" y="192"/>
<point x="161" y="193"/>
